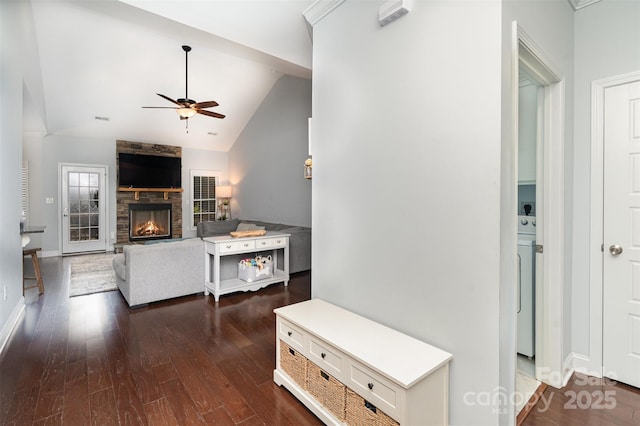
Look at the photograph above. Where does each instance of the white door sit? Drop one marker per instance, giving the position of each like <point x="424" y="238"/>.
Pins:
<point x="621" y="264"/>
<point x="83" y="208"/>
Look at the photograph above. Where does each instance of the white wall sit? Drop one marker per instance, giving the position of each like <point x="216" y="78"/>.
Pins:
<point x="266" y="161"/>
<point x="406" y="186"/>
<point x="16" y="47"/>
<point x="607" y="44"/>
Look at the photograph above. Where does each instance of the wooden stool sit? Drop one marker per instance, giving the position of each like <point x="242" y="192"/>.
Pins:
<point x="36" y="268"/>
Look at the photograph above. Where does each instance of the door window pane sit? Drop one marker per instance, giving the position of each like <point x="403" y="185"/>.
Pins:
<point x="84" y="217"/>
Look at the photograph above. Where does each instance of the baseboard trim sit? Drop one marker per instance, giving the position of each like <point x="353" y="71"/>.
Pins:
<point x="57" y="253"/>
<point x="578" y="363"/>
<point x="12" y="322"/>
<point x="584" y="364"/>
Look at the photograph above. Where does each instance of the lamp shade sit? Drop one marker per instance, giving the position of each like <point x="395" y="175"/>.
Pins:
<point x="223" y="191"/>
<point x="186" y="112"/>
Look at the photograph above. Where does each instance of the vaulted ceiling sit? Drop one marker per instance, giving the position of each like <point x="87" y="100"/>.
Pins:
<point x="102" y="60"/>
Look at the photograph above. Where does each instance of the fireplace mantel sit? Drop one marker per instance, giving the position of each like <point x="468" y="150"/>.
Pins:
<point x="137" y="191"/>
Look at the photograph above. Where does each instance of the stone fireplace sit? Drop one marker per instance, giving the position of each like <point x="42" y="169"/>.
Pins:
<point x="149" y="221"/>
<point x="128" y="200"/>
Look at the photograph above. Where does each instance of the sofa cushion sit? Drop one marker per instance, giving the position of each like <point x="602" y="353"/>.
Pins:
<point x="119" y="266"/>
<point x="246" y="226"/>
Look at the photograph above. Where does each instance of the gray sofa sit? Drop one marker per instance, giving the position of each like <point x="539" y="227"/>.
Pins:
<point x="164" y="270"/>
<point x="299" y="242"/>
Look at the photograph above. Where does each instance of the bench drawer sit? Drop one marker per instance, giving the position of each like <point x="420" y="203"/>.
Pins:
<point x="327" y="358"/>
<point x="373" y="388"/>
<point x="291" y="334"/>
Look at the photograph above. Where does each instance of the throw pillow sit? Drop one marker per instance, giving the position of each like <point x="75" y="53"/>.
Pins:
<point x="249" y="227"/>
<point x="245" y="227"/>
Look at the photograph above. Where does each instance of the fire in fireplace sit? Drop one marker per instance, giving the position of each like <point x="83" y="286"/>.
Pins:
<point x="149" y="221"/>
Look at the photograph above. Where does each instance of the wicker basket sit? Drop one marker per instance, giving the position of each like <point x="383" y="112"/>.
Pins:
<point x="326" y="390"/>
<point x="294" y="364"/>
<point x="361" y="413"/>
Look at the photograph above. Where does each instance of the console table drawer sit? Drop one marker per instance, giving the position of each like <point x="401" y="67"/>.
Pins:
<point x="327" y="358"/>
<point x="373" y="388"/>
<point x="270" y="243"/>
<point x="291" y="334"/>
<point x="231" y="246"/>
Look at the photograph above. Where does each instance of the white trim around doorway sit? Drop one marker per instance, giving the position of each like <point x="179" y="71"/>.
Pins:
<point x="107" y="230"/>
<point x="551" y="367"/>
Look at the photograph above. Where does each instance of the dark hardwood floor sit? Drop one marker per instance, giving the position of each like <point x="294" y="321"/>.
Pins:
<point x="91" y="360"/>
<point x="587" y="401"/>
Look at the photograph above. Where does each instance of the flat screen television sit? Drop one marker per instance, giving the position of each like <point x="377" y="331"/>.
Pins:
<point x="149" y="171"/>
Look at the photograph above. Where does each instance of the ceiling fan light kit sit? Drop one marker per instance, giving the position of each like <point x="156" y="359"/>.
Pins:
<point x="187" y="108"/>
<point x="186" y="112"/>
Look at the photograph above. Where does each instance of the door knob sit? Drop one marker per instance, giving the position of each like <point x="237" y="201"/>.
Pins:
<point x="615" y="249"/>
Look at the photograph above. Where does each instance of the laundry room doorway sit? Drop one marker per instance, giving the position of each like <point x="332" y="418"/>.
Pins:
<point x="530" y="132"/>
<point x="532" y="68"/>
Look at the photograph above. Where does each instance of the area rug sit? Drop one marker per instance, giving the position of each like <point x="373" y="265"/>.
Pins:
<point x="91" y="273"/>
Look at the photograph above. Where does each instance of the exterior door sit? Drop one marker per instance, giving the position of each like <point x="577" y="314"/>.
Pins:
<point x="621" y="250"/>
<point x="83" y="208"/>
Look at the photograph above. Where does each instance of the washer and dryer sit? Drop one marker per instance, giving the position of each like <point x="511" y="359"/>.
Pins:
<point x="525" y="290"/>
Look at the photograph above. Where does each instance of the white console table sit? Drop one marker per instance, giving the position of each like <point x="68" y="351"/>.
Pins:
<point x="350" y="370"/>
<point x="217" y="247"/>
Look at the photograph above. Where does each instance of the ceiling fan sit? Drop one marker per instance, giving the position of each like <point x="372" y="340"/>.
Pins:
<point x="187" y="108"/>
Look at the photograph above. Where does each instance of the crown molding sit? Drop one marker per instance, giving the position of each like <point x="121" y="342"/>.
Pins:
<point x="579" y="4"/>
<point x="319" y="9"/>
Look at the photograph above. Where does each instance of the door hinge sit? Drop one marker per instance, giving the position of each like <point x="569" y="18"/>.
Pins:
<point x="602" y="247"/>
<point x="539" y="248"/>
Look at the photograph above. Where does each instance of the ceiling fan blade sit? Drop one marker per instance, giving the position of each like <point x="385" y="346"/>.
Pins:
<point x="209" y="113"/>
<point x="169" y="99"/>
<point x="207" y="104"/>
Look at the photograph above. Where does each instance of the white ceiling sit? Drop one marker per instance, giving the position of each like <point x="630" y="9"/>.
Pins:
<point x="107" y="58"/>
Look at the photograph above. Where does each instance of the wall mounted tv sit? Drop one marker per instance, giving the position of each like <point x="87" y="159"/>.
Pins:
<point x="149" y="171"/>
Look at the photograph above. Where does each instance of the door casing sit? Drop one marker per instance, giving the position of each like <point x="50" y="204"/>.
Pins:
<point x="105" y="227"/>
<point x="550" y="365"/>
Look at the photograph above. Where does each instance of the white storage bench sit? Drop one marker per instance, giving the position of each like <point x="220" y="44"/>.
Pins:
<point x="350" y="370"/>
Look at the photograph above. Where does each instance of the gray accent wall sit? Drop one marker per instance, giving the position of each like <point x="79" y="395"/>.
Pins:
<point x="266" y="162"/>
